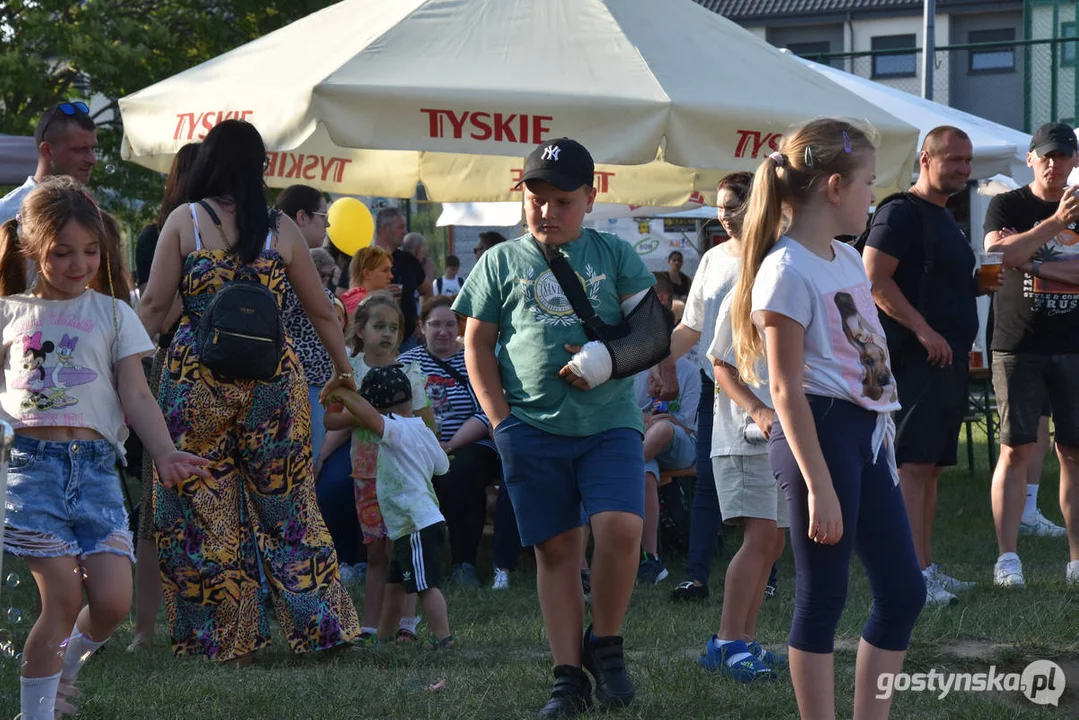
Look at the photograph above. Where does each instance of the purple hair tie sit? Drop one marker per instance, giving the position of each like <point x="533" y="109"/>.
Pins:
<point x="778" y="158"/>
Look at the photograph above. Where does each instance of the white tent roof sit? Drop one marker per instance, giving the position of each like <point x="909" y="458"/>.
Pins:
<point x="998" y="149"/>
<point x="454" y="93"/>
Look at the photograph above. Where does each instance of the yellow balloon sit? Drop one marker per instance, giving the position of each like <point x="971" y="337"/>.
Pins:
<point x="351" y="225"/>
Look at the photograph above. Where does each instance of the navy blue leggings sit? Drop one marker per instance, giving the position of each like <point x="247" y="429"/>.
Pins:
<point x="705" y="522"/>
<point x="875" y="526"/>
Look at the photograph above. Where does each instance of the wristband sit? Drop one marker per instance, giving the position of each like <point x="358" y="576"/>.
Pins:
<point x="343" y="375"/>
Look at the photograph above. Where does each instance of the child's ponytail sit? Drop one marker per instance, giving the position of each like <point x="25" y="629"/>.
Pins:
<point x="12" y="261"/>
<point x="760" y="231"/>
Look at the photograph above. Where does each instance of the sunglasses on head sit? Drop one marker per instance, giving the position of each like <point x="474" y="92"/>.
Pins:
<point x="67" y="108"/>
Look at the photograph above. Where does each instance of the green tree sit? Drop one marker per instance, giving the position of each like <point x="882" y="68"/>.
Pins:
<point x="51" y="51"/>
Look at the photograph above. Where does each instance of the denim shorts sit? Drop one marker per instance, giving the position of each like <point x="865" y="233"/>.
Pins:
<point x="64" y="499"/>
<point x="557" y="482"/>
<point x="679" y="455"/>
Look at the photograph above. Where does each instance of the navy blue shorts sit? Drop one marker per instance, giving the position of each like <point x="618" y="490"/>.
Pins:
<point x="556" y="482"/>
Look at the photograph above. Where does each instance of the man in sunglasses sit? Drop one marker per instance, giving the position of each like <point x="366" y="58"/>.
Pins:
<point x="66" y="141"/>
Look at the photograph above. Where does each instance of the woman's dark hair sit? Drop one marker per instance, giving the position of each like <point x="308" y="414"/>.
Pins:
<point x="491" y="238"/>
<point x="738" y="183"/>
<point x="673" y="253"/>
<point x="176" y="183"/>
<point x="230" y="165"/>
<point x="295" y="198"/>
<point x="434" y="303"/>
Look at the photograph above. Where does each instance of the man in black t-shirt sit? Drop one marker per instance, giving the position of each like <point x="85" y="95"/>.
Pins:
<point x="1036" y="338"/>
<point x="408" y="275"/>
<point x="930" y="318"/>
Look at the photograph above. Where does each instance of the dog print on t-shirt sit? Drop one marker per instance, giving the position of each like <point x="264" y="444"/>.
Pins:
<point x="858" y="336"/>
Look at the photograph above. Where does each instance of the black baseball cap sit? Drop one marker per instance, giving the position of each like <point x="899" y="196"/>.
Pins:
<point x="562" y="162"/>
<point x="1052" y="137"/>
<point x="386" y="386"/>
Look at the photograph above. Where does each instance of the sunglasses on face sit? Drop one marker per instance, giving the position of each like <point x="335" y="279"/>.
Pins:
<point x="67" y="108"/>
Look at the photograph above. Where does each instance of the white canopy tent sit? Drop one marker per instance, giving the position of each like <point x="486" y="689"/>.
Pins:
<point x="18" y="159"/>
<point x="998" y="149"/>
<point x="455" y="93"/>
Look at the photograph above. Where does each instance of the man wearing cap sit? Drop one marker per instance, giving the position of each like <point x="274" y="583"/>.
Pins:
<point x="66" y="140"/>
<point x="572" y="453"/>
<point x="1036" y="338"/>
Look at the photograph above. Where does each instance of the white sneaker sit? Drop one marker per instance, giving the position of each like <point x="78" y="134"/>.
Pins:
<point x="1071" y="575"/>
<point x="947" y="581"/>
<point x="502" y="580"/>
<point x="934" y="593"/>
<point x="348" y="575"/>
<point x="1040" y="526"/>
<point x="1008" y="572"/>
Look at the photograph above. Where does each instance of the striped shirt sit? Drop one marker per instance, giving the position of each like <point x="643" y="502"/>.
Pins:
<point x="451" y="402"/>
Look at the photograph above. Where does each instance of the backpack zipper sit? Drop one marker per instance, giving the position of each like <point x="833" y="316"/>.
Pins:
<point x="218" y="333"/>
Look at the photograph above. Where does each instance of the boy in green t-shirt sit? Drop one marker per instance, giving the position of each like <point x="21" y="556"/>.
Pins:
<point x="569" y="451"/>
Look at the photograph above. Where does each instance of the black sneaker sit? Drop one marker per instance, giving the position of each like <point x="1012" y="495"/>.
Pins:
<point x="651" y="570"/>
<point x="770" y="588"/>
<point x="689" y="592"/>
<point x="571" y="695"/>
<point x="603" y="658"/>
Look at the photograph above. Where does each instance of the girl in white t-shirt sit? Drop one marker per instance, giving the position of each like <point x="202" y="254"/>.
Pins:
<point x="72" y="371"/>
<point x="804" y="301"/>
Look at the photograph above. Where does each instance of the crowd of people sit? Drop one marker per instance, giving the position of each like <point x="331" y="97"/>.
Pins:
<point x="811" y="385"/>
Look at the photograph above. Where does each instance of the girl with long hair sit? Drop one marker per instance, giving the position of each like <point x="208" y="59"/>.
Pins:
<point x="804" y="302"/>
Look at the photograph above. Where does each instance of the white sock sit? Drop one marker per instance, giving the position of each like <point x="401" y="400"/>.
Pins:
<point x="79" y="649"/>
<point x="37" y="697"/>
<point x="1008" y="556"/>
<point x="1031" y="508"/>
<point x="410" y="623"/>
<point x="732" y="659"/>
<point x="1073" y="569"/>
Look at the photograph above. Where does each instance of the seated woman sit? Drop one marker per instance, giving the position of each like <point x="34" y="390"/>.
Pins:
<point x="464" y="433"/>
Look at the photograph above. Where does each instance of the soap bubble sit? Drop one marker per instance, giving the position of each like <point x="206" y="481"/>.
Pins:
<point x="110" y="169"/>
<point x="12" y="580"/>
<point x="5" y="636"/>
<point x="14" y="616"/>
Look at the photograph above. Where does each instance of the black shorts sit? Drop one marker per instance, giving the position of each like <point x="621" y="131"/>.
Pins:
<point x="417" y="559"/>
<point x="934" y="401"/>
<point x="1024" y="383"/>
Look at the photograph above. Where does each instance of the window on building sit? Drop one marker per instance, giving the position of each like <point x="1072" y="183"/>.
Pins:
<point x="993" y="59"/>
<point x="810" y="50"/>
<point x="895" y="65"/>
<point x="1067" y="49"/>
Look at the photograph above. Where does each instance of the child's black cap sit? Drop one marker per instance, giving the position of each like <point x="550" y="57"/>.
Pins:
<point x="386" y="386"/>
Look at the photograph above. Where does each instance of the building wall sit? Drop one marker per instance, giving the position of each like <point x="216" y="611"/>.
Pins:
<point x="864" y="31"/>
<point x="833" y="34"/>
<point x="996" y="96"/>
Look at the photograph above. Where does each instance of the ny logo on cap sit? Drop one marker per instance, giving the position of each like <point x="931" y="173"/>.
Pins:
<point x="551" y="152"/>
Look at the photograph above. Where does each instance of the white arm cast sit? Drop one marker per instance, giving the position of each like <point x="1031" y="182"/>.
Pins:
<point x="593" y="362"/>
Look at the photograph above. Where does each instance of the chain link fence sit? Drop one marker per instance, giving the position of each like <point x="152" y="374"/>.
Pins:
<point x="1019" y="83"/>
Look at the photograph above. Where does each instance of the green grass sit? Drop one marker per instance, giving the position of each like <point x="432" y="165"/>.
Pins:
<point x="501" y="669"/>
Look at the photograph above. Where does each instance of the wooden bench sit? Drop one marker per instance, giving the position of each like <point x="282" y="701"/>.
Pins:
<point x="666" y="476"/>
